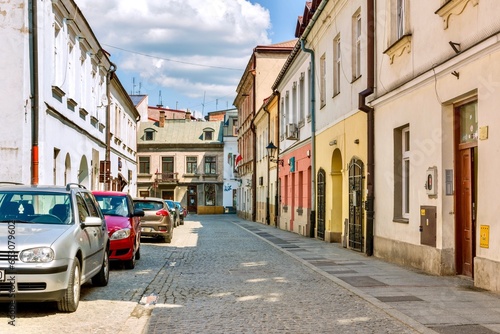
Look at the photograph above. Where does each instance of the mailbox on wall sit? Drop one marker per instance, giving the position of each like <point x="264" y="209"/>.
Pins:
<point x="431" y="181"/>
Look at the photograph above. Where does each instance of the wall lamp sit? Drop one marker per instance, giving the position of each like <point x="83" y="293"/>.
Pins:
<point x="271" y="150"/>
<point x="455" y="46"/>
<point x="333" y="142"/>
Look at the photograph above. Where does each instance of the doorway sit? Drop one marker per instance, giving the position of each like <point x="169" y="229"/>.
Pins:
<point x="466" y="131"/>
<point x="192" y="201"/>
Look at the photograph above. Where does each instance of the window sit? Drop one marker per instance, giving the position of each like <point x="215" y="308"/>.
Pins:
<point x="191" y="165"/>
<point x="293" y="115"/>
<point x="322" y="74"/>
<point x="144" y="165"/>
<point x="301" y="97"/>
<point x="356" y="47"/>
<point x="208" y="134"/>
<point x="402" y="166"/>
<point x="167" y="164"/>
<point x="336" y="65"/>
<point x="149" y="134"/>
<point x="210" y="165"/>
<point x="210" y="194"/>
<point x="400" y="18"/>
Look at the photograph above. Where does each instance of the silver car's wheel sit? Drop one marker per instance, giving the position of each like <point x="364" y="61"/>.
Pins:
<point x="102" y="277"/>
<point x="71" y="298"/>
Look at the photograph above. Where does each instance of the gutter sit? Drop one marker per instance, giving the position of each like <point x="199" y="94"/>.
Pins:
<point x="370" y="56"/>
<point x="34" y="89"/>
<point x="109" y="77"/>
<point x="312" y="218"/>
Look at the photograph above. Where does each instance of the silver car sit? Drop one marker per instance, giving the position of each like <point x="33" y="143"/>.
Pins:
<point x="52" y="240"/>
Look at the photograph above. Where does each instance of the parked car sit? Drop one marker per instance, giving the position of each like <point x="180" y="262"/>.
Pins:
<point x="157" y="221"/>
<point x="53" y="239"/>
<point x="182" y="212"/>
<point x="124" y="226"/>
<point x="174" y="210"/>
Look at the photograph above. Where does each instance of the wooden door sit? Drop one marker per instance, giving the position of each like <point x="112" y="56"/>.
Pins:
<point x="466" y="212"/>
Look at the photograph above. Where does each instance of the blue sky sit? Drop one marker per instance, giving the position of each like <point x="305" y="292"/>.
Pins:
<point x="192" y="52"/>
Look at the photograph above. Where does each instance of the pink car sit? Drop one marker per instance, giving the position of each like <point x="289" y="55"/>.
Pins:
<point x="124" y="226"/>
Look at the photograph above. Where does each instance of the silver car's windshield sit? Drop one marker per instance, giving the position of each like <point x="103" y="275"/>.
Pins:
<point x="35" y="207"/>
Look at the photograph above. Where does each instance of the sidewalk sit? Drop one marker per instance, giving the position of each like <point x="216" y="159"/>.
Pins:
<point x="429" y="304"/>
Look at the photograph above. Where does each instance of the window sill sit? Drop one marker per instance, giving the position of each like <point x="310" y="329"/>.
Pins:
<point x="354" y="79"/>
<point x="399" y="47"/>
<point x="401" y="220"/>
<point x="453" y="7"/>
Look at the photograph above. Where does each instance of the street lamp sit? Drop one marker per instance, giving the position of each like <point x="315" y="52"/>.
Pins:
<point x="271" y="150"/>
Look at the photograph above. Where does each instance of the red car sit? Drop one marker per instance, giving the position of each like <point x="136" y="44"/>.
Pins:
<point x="124" y="226"/>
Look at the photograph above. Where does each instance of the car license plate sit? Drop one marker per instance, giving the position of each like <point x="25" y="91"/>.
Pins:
<point x="2" y="275"/>
<point x="146" y="229"/>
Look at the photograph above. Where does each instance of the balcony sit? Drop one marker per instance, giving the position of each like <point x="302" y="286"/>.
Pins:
<point x="162" y="178"/>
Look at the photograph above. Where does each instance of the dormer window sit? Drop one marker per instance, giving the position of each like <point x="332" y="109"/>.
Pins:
<point x="208" y="134"/>
<point x="149" y="134"/>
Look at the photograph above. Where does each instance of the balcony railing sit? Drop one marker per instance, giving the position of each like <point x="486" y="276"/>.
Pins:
<point x="166" y="178"/>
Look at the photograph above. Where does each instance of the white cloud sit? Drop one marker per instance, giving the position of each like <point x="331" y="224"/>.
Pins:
<point x="180" y="33"/>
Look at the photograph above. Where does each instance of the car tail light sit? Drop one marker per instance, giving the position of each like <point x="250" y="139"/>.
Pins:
<point x="162" y="229"/>
<point x="162" y="213"/>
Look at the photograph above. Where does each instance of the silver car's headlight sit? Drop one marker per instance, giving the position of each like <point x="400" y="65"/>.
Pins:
<point x="37" y="255"/>
<point x="121" y="234"/>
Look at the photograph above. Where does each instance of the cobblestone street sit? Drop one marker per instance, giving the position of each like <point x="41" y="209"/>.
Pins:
<point x="215" y="277"/>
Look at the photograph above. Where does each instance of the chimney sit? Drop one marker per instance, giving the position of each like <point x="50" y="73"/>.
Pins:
<point x="188" y="116"/>
<point x="162" y="118"/>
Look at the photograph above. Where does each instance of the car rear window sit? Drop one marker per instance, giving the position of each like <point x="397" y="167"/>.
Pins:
<point x="148" y="205"/>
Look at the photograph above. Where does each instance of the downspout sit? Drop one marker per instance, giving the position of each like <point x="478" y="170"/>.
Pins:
<point x="109" y="77"/>
<point x="315" y="17"/>
<point x="254" y="153"/>
<point x="33" y="44"/>
<point x="268" y="213"/>
<point x="278" y="185"/>
<point x="370" y="196"/>
<point x="312" y="217"/>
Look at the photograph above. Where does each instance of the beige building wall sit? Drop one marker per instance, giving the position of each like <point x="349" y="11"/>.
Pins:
<point x="421" y="81"/>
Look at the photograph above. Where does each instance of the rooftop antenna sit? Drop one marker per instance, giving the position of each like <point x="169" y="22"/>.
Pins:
<point x="160" y="102"/>
<point x="140" y="86"/>
<point x="133" y="86"/>
<point x="203" y="105"/>
<point x="216" y="104"/>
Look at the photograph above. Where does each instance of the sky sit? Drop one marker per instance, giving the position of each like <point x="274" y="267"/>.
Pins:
<point x="188" y="54"/>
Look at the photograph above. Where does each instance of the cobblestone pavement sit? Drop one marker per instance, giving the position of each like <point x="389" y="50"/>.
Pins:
<point x="111" y="309"/>
<point x="224" y="279"/>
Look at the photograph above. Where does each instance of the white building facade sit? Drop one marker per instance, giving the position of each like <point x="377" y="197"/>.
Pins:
<point x="56" y="123"/>
<point x="437" y="143"/>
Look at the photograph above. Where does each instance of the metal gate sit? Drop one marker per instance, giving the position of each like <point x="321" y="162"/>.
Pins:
<point x="321" y="204"/>
<point x="355" y="205"/>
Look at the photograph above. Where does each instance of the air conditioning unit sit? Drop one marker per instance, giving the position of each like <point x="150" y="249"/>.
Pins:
<point x="292" y="132"/>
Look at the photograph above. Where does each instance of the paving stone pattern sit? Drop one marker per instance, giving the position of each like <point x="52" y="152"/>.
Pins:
<point x="231" y="281"/>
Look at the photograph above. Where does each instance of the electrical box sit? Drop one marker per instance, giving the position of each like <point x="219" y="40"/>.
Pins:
<point x="428" y="217"/>
<point x="431" y="181"/>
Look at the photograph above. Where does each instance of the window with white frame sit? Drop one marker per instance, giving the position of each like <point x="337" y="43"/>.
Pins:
<point x="356" y="45"/>
<point x="293" y="115"/>
<point x="400" y="18"/>
<point x="402" y="170"/>
<point x="302" y="97"/>
<point x="322" y="78"/>
<point x="58" y="54"/>
<point x="309" y="88"/>
<point x="336" y="65"/>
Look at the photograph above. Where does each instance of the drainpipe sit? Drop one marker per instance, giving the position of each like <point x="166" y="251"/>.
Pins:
<point x="109" y="77"/>
<point x="33" y="44"/>
<point x="312" y="218"/>
<point x="303" y="38"/>
<point x="268" y="214"/>
<point x="370" y="55"/>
